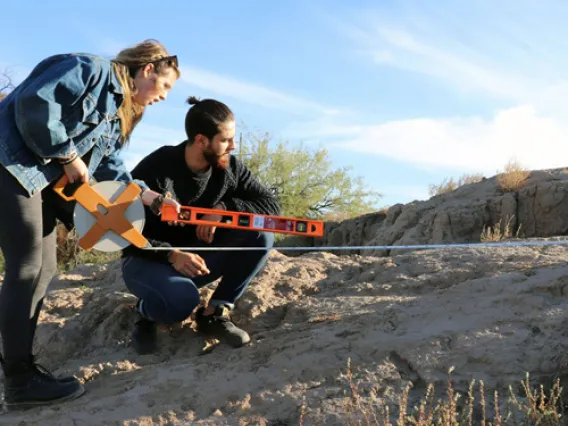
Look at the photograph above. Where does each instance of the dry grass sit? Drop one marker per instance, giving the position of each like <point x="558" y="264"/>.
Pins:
<point x="510" y="179"/>
<point x="340" y="216"/>
<point x="336" y="217"/>
<point x="70" y="255"/>
<point x="325" y="318"/>
<point x="67" y="248"/>
<point x="513" y="177"/>
<point x="535" y="408"/>
<point x="500" y="232"/>
<point x="451" y="184"/>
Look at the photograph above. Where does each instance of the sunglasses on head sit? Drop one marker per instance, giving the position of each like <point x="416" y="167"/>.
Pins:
<point x="171" y="61"/>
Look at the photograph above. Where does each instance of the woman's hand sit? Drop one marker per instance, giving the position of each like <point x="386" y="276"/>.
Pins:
<point x="156" y="201"/>
<point x="77" y="171"/>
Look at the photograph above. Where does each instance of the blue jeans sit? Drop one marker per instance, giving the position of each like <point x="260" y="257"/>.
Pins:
<point x="170" y="297"/>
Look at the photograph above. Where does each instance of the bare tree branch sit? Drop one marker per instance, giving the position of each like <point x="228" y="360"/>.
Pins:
<point x="6" y="83"/>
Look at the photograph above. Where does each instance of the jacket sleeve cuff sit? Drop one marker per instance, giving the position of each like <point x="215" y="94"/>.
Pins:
<point x="141" y="184"/>
<point x="68" y="152"/>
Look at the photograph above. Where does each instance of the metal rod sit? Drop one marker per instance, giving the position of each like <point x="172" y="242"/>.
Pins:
<point x="405" y="247"/>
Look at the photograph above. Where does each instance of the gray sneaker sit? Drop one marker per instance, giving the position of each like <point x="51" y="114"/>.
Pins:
<point x="219" y="326"/>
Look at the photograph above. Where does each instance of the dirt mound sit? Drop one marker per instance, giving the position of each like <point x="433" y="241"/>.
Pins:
<point x="493" y="314"/>
<point x="538" y="210"/>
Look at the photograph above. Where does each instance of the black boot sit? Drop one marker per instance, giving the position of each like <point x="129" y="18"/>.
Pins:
<point x="44" y="372"/>
<point x="219" y="326"/>
<point x="41" y="370"/>
<point x="144" y="336"/>
<point x="28" y="385"/>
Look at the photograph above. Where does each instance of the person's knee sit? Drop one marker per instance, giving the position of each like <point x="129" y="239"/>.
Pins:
<point x="47" y="272"/>
<point x="137" y="275"/>
<point x="169" y="308"/>
<point x="180" y="306"/>
<point x="128" y="272"/>
<point x="24" y="268"/>
<point x="48" y="268"/>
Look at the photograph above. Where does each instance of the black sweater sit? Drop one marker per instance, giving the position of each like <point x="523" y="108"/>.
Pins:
<point x="165" y="170"/>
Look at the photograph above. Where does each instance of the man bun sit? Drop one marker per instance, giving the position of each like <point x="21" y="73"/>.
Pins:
<point x="193" y="100"/>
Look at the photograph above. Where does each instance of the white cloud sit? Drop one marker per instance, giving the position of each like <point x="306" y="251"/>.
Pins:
<point x="468" y="144"/>
<point x="405" y="51"/>
<point x="250" y="92"/>
<point x="103" y="45"/>
<point x="108" y="47"/>
<point x="455" y="144"/>
<point x="222" y="84"/>
<point x="499" y="50"/>
<point x="148" y="136"/>
<point x="512" y="54"/>
<point x="322" y="128"/>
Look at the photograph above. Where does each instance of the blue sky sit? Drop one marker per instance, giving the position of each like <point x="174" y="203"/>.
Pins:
<point x="405" y="92"/>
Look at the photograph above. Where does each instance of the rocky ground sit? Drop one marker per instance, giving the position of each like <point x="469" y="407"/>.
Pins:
<point x="493" y="314"/>
<point x="396" y="317"/>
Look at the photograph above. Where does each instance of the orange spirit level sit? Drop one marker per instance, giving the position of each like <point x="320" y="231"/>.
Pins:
<point x="241" y="220"/>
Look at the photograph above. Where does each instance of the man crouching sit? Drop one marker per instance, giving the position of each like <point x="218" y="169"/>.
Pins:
<point x="199" y="172"/>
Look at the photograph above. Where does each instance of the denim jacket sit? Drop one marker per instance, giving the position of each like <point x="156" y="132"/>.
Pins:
<point x="67" y="104"/>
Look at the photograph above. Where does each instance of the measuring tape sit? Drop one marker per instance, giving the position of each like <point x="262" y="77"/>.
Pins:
<point x="405" y="247"/>
<point x="110" y="215"/>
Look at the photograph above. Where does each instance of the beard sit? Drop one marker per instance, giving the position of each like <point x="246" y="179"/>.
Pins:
<point x="217" y="161"/>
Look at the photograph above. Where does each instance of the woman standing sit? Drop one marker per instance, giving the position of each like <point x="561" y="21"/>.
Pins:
<point x="70" y="116"/>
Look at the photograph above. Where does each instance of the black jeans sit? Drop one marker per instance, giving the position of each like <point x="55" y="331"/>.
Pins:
<point x="28" y="243"/>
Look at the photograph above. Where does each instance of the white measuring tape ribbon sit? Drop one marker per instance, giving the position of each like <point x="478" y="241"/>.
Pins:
<point x="406" y="247"/>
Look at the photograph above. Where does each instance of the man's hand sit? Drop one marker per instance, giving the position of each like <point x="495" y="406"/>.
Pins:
<point x="207" y="232"/>
<point x="77" y="171"/>
<point x="188" y="264"/>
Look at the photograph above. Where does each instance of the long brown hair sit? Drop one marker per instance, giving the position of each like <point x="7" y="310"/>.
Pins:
<point x="126" y="63"/>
